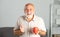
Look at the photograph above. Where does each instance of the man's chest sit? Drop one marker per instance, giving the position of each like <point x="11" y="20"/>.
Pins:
<point x="29" y="25"/>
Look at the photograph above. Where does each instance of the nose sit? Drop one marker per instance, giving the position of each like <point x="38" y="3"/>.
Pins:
<point x="28" y="10"/>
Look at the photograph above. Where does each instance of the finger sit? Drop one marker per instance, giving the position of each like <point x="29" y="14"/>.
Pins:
<point x="21" y="26"/>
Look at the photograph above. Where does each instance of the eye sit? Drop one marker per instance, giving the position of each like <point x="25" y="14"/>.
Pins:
<point x="26" y="9"/>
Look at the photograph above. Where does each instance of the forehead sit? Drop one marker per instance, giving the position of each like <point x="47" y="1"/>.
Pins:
<point x="29" y="7"/>
<point x="29" y="4"/>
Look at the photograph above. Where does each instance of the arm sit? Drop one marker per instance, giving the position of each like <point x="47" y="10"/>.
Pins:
<point x="42" y="29"/>
<point x="41" y="32"/>
<point x="18" y="29"/>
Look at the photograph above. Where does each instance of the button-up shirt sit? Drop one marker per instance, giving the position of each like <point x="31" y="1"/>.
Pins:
<point x="36" y="22"/>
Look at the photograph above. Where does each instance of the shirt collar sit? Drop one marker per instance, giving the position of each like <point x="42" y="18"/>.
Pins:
<point x="34" y="17"/>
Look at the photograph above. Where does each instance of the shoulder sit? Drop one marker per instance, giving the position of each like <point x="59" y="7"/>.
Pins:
<point x="21" y="17"/>
<point x="39" y="18"/>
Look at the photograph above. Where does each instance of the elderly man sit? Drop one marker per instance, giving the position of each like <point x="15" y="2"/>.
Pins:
<point x="30" y="25"/>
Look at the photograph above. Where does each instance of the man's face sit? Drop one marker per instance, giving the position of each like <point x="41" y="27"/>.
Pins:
<point x="29" y="10"/>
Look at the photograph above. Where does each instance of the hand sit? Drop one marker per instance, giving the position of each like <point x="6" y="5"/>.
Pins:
<point x="21" y="28"/>
<point x="35" y="30"/>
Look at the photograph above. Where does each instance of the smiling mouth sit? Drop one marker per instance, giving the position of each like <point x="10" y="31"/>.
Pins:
<point x="28" y="14"/>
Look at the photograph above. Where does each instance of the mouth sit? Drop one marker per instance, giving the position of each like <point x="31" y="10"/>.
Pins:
<point x="28" y="14"/>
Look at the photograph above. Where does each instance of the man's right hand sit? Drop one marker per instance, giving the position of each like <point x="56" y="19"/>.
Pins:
<point x="21" y="28"/>
<point x="19" y="31"/>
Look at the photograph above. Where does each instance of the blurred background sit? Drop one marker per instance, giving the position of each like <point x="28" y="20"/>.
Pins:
<point x="10" y="10"/>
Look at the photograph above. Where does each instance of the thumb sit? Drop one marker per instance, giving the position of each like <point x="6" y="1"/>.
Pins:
<point x="21" y="26"/>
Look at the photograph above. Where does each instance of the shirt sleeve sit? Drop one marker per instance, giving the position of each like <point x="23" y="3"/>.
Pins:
<point x="17" y="25"/>
<point x="42" y="25"/>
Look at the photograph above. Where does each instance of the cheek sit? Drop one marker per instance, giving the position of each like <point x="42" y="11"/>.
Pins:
<point x="33" y="11"/>
<point x="24" y="10"/>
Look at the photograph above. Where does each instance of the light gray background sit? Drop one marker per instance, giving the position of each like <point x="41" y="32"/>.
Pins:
<point x="10" y="10"/>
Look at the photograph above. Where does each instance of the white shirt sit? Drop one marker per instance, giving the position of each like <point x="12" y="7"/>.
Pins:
<point x="36" y="22"/>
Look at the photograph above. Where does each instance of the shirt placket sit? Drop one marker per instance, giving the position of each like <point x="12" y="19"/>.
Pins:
<point x="28" y="29"/>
